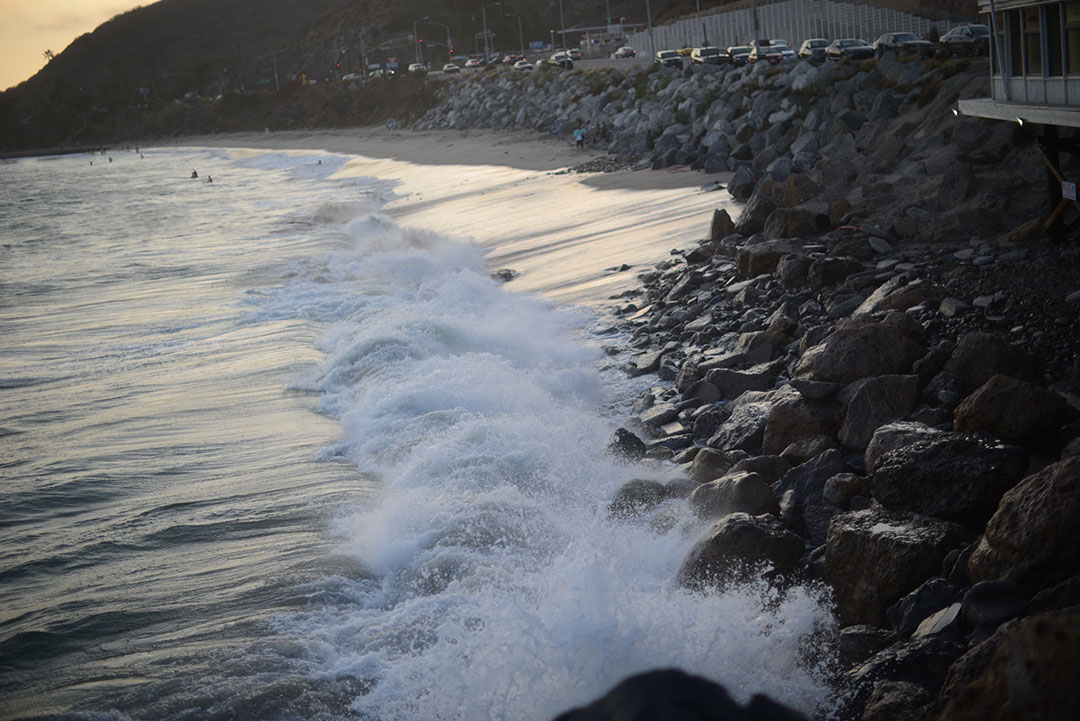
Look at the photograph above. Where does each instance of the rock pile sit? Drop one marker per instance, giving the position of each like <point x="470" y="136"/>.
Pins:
<point x="841" y="425"/>
<point x="867" y="380"/>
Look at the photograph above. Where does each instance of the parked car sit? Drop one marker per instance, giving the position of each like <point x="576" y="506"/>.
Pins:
<point x="709" y="55"/>
<point x="813" y="50"/>
<point x="625" y="52"/>
<point x="562" y="59"/>
<point x="786" y="53"/>
<point x="669" y="58"/>
<point x="764" y="53"/>
<point x="451" y="68"/>
<point x="852" y="48"/>
<point x="904" y="43"/>
<point x="524" y="65"/>
<point x="739" y="54"/>
<point x="966" y="40"/>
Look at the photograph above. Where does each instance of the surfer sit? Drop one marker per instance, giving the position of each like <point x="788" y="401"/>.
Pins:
<point x="194" y="174"/>
<point x="209" y="179"/>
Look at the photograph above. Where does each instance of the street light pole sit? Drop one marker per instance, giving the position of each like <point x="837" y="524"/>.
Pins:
<point x="416" y="40"/>
<point x="562" y="24"/>
<point x="483" y="15"/>
<point x="521" y="35"/>
<point x="449" y="45"/>
<point x="648" y="21"/>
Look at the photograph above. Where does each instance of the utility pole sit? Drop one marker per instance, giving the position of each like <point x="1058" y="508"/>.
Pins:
<point x="483" y="16"/>
<point x="416" y="41"/>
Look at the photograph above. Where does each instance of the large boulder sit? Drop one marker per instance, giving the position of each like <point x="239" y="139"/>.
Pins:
<point x="1010" y="409"/>
<point x="951" y="476"/>
<point x="875" y="557"/>
<point x="1031" y="673"/>
<point x="744" y="427"/>
<point x="672" y="695"/>
<point x="636" y="497"/>
<point x="792" y="417"/>
<point x="872" y="349"/>
<point x="921" y="663"/>
<point x="875" y="403"/>
<point x="741" y="547"/>
<point x="752" y="218"/>
<point x="790" y="223"/>
<point x="708" y="465"/>
<point x="802" y="487"/>
<point x="743" y="492"/>
<point x="760" y="258"/>
<point x="893" y="436"/>
<point x="1029" y="539"/>
<point x="731" y="383"/>
<point x="980" y="356"/>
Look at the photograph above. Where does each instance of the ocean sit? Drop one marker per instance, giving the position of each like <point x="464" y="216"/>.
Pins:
<point x="266" y="453"/>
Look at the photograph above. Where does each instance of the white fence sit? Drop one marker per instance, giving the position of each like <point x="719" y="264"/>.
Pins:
<point x="792" y="20"/>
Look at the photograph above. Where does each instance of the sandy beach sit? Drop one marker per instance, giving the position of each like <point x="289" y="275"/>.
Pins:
<point x="566" y="235"/>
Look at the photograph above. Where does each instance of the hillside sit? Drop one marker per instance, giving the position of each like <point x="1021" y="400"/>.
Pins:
<point x="98" y="89"/>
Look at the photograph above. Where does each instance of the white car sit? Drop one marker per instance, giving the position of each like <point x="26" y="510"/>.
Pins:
<point x="524" y="65"/>
<point x="352" y="76"/>
<point x="418" y="68"/>
<point x="451" y="68"/>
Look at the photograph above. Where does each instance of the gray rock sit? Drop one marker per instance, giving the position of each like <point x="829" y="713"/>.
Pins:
<point x="989" y="604"/>
<point x="944" y="622"/>
<point x="980" y="356"/>
<point x="804" y="485"/>
<point x="1010" y="409"/>
<point x="849" y="354"/>
<point x="875" y="557"/>
<point x="877" y="402"/>
<point x="935" y="594"/>
<point x="754" y="260"/>
<point x="1027" y="671"/>
<point x="708" y="465"/>
<point x="769" y="468"/>
<point x="949" y="476"/>
<point x="1029" y="538"/>
<point x="741" y="547"/>
<point x="733" y="493"/>
<point x="636" y="497"/>
<point x="659" y="414"/>
<point x="893" y="436"/>
<point x="841" y="488"/>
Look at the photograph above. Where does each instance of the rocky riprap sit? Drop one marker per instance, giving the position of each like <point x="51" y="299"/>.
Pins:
<point x="867" y="381"/>
<point x="846" y="412"/>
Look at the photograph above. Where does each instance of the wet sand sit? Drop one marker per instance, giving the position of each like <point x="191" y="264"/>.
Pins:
<point x="566" y="235"/>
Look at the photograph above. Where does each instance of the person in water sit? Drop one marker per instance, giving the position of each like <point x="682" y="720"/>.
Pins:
<point x="209" y="179"/>
<point x="194" y="174"/>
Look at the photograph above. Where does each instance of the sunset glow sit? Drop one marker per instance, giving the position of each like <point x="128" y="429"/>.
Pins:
<point x="30" y="27"/>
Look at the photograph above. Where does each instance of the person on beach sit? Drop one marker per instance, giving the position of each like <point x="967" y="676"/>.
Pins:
<point x="579" y="138"/>
<point x="194" y="174"/>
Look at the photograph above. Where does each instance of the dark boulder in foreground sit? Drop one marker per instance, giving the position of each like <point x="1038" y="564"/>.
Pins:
<point x="1029" y="670"/>
<point x="672" y="695"/>
<point x="1030" y="538"/>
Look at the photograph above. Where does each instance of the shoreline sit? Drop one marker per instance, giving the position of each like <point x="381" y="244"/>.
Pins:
<point x="572" y="237"/>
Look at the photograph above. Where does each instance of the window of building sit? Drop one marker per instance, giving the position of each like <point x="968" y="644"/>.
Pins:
<point x="1072" y="37"/>
<point x="1032" y="42"/>
<point x="1014" y="59"/>
<point x="1053" y="41"/>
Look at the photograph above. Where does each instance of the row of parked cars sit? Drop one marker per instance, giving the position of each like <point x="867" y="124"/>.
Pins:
<point x="961" y="40"/>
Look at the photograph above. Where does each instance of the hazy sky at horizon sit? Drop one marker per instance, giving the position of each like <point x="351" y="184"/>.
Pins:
<point x="30" y="27"/>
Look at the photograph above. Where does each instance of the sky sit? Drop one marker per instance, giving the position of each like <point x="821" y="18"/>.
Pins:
<point x="30" y="27"/>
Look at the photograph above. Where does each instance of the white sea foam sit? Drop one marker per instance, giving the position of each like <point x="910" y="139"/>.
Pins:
<point x="504" y="590"/>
